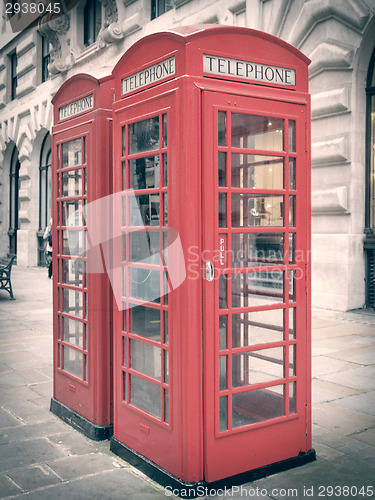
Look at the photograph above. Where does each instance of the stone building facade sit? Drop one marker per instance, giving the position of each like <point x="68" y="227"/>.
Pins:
<point x="338" y="37"/>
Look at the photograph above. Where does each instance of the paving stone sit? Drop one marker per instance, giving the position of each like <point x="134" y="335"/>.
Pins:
<point x="33" y="477"/>
<point x="338" y="419"/>
<point x="7" y="419"/>
<point x="362" y="378"/>
<point x="25" y="432"/>
<point x="29" y="412"/>
<point x="7" y="487"/>
<point x="22" y="454"/>
<point x="83" y="465"/>
<point x="361" y="355"/>
<point x="366" y="436"/>
<point x="363" y="403"/>
<point x="322" y="365"/>
<point x="73" y="444"/>
<point x="323" y="391"/>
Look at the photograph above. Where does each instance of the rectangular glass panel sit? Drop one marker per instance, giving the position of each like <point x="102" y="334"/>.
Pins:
<point x="257" y="249"/>
<point x="145" y="358"/>
<point x="144" y="135"/>
<point x="222" y="210"/>
<point x="292" y="287"/>
<point x="249" y="210"/>
<point x="222" y="128"/>
<point x="124" y="395"/>
<point x="166" y="405"/>
<point x="71" y="213"/>
<point x="71" y="183"/>
<point x="166" y="327"/>
<point x="145" y="395"/>
<point x="223" y="424"/>
<point x="165" y="209"/>
<point x="292" y="247"/>
<point x="124" y="210"/>
<point x="124" y="174"/>
<point x="72" y="272"/>
<point x="223" y="360"/>
<point x="145" y="284"/>
<point x="72" y="361"/>
<point x="72" y="302"/>
<point x="144" y="210"/>
<point x="292" y="360"/>
<point x="124" y="351"/>
<point x="257" y="327"/>
<point x="72" y="331"/>
<point x="292" y="322"/>
<point x="165" y="170"/>
<point x="257" y="406"/>
<point x="292" y="212"/>
<point x="292" y="397"/>
<point x="257" y="289"/>
<point x="165" y="128"/>
<point x="222" y="169"/>
<point x="222" y="291"/>
<point x="144" y="172"/>
<point x="256" y="367"/>
<point x="145" y="321"/>
<point x="123" y="137"/>
<point x="72" y="242"/>
<point x="257" y="132"/>
<point x="292" y="135"/>
<point x="166" y="288"/>
<point x="223" y="321"/>
<point x="166" y="367"/>
<point x="292" y="173"/>
<point x="145" y="246"/>
<point x="256" y="171"/>
<point x="72" y="153"/>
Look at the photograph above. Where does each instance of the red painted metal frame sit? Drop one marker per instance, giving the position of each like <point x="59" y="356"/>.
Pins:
<point x="90" y="398"/>
<point x="190" y="447"/>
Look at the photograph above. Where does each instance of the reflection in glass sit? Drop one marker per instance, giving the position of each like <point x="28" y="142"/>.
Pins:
<point x="256" y="406"/>
<point x="145" y="358"/>
<point x="72" y="272"/>
<point x="223" y="360"/>
<point x="223" y="413"/>
<point x="257" y="132"/>
<point x="292" y="135"/>
<point x="72" y="302"/>
<point x="222" y="128"/>
<point x="145" y="284"/>
<point x="144" y="210"/>
<point x="145" y="321"/>
<point x="72" y="361"/>
<point x="292" y="247"/>
<point x="256" y="171"/>
<point x="72" y="183"/>
<point x="222" y="291"/>
<point x="72" y="331"/>
<point x="292" y="212"/>
<point x="124" y="351"/>
<point x="145" y="246"/>
<point x="223" y="320"/>
<point x="165" y="170"/>
<point x="249" y="210"/>
<point x="144" y="172"/>
<point x="222" y="168"/>
<point x="72" y="153"/>
<point x="72" y="242"/>
<point x="258" y="288"/>
<point x="292" y="286"/>
<point x="292" y="397"/>
<point x="166" y="405"/>
<point x="166" y="367"/>
<point x="292" y="360"/>
<point x="292" y="322"/>
<point x="292" y="173"/>
<point x="166" y="327"/>
<point x="144" y="135"/>
<point x="164" y="128"/>
<point x="257" y="249"/>
<point x="256" y="367"/>
<point x="145" y="395"/>
<point x="71" y="213"/>
<point x="123" y="136"/>
<point x="222" y="210"/>
<point x="257" y="327"/>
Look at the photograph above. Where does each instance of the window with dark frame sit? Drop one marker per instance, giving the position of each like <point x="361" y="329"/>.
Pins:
<point x="46" y="55"/>
<point x="13" y="75"/>
<point x="92" y="20"/>
<point x="159" y="7"/>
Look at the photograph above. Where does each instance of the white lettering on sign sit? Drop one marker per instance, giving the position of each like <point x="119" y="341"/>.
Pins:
<point x="222" y="251"/>
<point x="152" y="74"/>
<point x="236" y="68"/>
<point x="76" y="107"/>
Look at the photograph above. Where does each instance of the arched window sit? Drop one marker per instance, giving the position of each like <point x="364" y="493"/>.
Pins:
<point x="45" y="194"/>
<point x="370" y="186"/>
<point x="92" y="21"/>
<point x="13" y="201"/>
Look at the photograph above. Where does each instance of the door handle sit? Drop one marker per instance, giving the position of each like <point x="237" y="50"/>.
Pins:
<point x="209" y="271"/>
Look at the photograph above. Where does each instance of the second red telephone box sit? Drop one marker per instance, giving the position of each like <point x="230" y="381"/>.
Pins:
<point x="212" y="349"/>
<point x="82" y="170"/>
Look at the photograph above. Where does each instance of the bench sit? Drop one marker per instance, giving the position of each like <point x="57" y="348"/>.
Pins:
<point x="5" y="270"/>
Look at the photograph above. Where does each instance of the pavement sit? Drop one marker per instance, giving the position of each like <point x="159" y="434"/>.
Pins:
<point x="41" y="457"/>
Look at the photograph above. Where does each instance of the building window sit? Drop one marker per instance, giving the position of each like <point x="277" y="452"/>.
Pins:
<point x="45" y="195"/>
<point x="45" y="58"/>
<point x="13" y="76"/>
<point x="92" y="19"/>
<point x="13" y="201"/>
<point x="159" y="7"/>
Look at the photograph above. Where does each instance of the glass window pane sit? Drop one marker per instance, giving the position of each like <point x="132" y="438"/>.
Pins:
<point x="257" y="289"/>
<point x="72" y="183"/>
<point x="223" y="360"/>
<point x="72" y="242"/>
<point x="292" y="211"/>
<point x="222" y="128"/>
<point x="292" y="173"/>
<point x="166" y="405"/>
<point x="145" y="358"/>
<point x="144" y="172"/>
<point x="166" y="327"/>
<point x="258" y="327"/>
<point x="145" y="246"/>
<point x="223" y="321"/>
<point x="222" y="291"/>
<point x="145" y="284"/>
<point x="123" y="140"/>
<point x="145" y="395"/>
<point x="165" y="128"/>
<point x="256" y="406"/>
<point x="292" y="322"/>
<point x="256" y="367"/>
<point x="144" y="135"/>
<point x="72" y="361"/>
<point x="72" y="302"/>
<point x="72" y="331"/>
<point x="292" y="360"/>
<point x="249" y="210"/>
<point x="124" y="351"/>
<point x="292" y="135"/>
<point x="72" y="272"/>
<point x="222" y="210"/>
<point x="144" y="210"/>
<point x="223" y="413"/>
<point x="72" y="153"/>
<point x="222" y="168"/>
<point x="257" y="249"/>
<point x="292" y="397"/>
<point x="257" y="132"/>
<point x="165" y="170"/>
<point x="71" y="213"/>
<point x="256" y="171"/>
<point x="145" y="321"/>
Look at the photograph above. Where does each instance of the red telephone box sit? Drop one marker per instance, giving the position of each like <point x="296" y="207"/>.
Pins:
<point x="211" y="152"/>
<point x="82" y="172"/>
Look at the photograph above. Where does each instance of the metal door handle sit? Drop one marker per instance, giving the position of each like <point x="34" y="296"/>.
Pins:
<point x="209" y="271"/>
